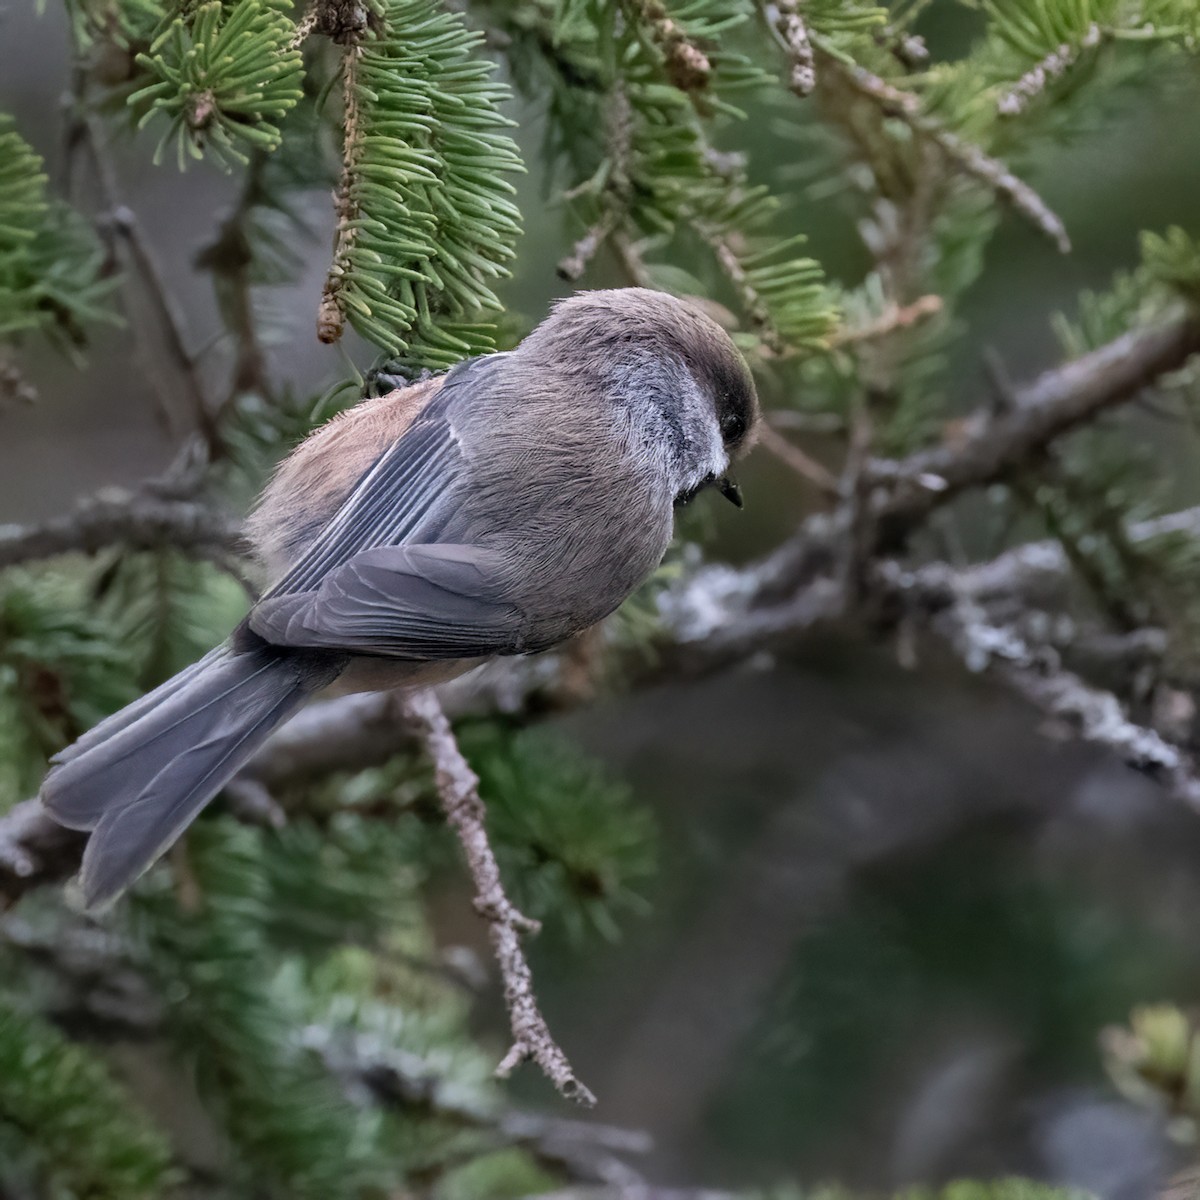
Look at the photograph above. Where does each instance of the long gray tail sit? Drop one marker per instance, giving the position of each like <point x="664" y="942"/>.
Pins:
<point x="138" y="779"/>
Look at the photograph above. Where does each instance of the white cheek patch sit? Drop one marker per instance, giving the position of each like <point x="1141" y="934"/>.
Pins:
<point x="664" y="398"/>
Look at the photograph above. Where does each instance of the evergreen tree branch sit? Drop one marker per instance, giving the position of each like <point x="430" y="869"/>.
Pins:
<point x="893" y="318"/>
<point x="758" y="313"/>
<point x="458" y="789"/>
<point x="989" y="444"/>
<point x="963" y="155"/>
<point x="721" y="615"/>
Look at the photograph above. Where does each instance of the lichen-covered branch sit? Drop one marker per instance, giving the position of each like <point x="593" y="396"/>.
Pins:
<point x="1037" y="674"/>
<point x="1035" y="81"/>
<point x="331" y="315"/>
<point x="582" y="1151"/>
<point x="34" y="850"/>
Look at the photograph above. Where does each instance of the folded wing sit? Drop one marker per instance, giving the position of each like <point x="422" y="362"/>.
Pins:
<point x="385" y="575"/>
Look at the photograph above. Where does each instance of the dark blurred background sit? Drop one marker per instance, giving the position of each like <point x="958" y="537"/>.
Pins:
<point x="891" y="915"/>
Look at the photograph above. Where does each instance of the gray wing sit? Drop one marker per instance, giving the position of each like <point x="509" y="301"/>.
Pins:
<point x="379" y="579"/>
<point x="414" y="601"/>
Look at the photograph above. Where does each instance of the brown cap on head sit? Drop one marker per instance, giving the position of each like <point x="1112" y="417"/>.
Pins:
<point x="597" y="324"/>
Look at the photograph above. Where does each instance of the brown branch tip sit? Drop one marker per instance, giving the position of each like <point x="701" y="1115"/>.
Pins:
<point x="458" y="791"/>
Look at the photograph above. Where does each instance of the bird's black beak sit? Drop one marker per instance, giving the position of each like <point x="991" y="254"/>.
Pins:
<point x="730" y="491"/>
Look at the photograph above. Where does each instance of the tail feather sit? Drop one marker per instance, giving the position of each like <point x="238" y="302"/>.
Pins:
<point x="142" y="780"/>
<point x="111" y="773"/>
<point x="113" y="725"/>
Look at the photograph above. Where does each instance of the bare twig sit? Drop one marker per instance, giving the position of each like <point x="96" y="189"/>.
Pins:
<point x="145" y="269"/>
<point x="14" y="387"/>
<point x="458" y="788"/>
<point x="629" y="255"/>
<point x="614" y="199"/>
<point x="229" y="257"/>
<point x="825" y="424"/>
<point x="893" y="318"/>
<point x="575" y="264"/>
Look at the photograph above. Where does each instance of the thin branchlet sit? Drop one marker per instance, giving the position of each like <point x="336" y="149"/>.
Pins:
<point x="458" y="790"/>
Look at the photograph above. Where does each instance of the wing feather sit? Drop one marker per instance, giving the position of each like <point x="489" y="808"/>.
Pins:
<point x="378" y="579"/>
<point x="414" y="601"/>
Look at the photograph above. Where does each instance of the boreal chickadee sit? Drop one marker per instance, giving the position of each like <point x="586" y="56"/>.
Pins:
<point x="497" y="509"/>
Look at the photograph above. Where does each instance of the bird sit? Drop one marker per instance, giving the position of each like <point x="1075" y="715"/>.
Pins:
<point x="498" y="508"/>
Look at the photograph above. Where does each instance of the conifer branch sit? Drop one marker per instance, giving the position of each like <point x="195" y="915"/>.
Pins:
<point x="989" y="444"/>
<point x="721" y="615"/>
<point x="964" y="155"/>
<point x="223" y="76"/>
<point x="583" y="1151"/>
<point x="894" y="317"/>
<point x="458" y="789"/>
<point x="34" y="850"/>
<point x="757" y="312"/>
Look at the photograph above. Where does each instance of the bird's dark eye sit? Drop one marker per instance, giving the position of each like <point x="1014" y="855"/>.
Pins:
<point x="733" y="425"/>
